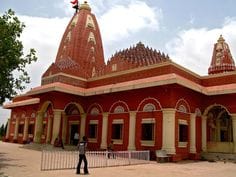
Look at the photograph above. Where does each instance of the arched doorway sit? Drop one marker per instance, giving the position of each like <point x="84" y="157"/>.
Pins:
<point x="73" y="120"/>
<point x="43" y="124"/>
<point x="219" y="130"/>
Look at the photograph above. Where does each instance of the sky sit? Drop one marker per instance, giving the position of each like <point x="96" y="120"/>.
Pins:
<point x="186" y="30"/>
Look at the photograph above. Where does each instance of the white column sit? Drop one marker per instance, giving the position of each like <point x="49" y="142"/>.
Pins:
<point x="49" y="129"/>
<point x="234" y="130"/>
<point x="16" y="129"/>
<point x="193" y="133"/>
<point x="204" y="133"/>
<point x="168" y="135"/>
<point x="82" y="125"/>
<point x="8" y="128"/>
<point x="132" y="130"/>
<point x="104" y="130"/>
<point x="56" y="124"/>
<point x="26" y="127"/>
<point x="64" y="127"/>
<point x="38" y="127"/>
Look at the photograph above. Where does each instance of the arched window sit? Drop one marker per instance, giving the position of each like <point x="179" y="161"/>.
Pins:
<point x="94" y="111"/>
<point x="182" y="108"/>
<point x="149" y="107"/>
<point x="119" y="109"/>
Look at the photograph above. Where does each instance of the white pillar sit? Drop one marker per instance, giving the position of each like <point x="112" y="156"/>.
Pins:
<point x="56" y="124"/>
<point x="132" y="130"/>
<point x="193" y="133"/>
<point x="204" y="133"/>
<point x="38" y="127"/>
<point x="168" y="135"/>
<point x="26" y="127"/>
<point x="104" y="130"/>
<point x="82" y="125"/>
<point x="16" y="129"/>
<point x="234" y="130"/>
<point x="64" y="127"/>
<point x="49" y="129"/>
<point x="8" y="128"/>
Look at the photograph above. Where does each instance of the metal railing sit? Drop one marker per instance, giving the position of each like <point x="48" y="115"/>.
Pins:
<point x="58" y="160"/>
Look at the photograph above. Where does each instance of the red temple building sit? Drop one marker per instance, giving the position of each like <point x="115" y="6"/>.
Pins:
<point x="140" y="98"/>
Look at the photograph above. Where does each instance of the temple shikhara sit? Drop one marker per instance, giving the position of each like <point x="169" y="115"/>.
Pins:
<point x="140" y="98"/>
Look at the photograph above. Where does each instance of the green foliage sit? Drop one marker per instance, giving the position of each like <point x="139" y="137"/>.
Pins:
<point x="12" y="58"/>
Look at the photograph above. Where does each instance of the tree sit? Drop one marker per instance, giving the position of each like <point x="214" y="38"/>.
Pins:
<point x="12" y="58"/>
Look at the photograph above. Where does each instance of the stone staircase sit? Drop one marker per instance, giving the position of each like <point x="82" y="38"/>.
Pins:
<point x="213" y="157"/>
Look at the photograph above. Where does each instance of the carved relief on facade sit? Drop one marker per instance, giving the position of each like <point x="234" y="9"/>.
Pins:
<point x="149" y="107"/>
<point x="91" y="38"/>
<point x="90" y="22"/>
<point x="93" y="72"/>
<point x="75" y="20"/>
<point x="119" y="109"/>
<point x="94" y="111"/>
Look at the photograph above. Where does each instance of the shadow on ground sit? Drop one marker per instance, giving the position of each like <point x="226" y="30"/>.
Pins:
<point x="6" y="162"/>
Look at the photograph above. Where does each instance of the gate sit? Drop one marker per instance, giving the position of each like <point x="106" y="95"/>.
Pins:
<point x="58" y="160"/>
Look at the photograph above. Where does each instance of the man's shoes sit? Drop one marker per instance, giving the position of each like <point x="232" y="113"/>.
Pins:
<point x="78" y="173"/>
<point x="86" y="173"/>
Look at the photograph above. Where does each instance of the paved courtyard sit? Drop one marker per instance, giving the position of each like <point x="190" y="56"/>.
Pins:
<point x="16" y="161"/>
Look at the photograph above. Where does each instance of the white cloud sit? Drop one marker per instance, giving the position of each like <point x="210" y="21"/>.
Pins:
<point x="44" y="35"/>
<point x="99" y="6"/>
<point x="66" y="6"/>
<point x="193" y="48"/>
<point x="120" y="21"/>
<point x="4" y="115"/>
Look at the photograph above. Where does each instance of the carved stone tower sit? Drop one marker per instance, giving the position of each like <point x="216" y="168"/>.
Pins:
<point x="80" y="53"/>
<point x="222" y="60"/>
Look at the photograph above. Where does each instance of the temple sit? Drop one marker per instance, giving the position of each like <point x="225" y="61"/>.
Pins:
<point x="140" y="98"/>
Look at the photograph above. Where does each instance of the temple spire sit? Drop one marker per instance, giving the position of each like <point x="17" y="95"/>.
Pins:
<point x="80" y="52"/>
<point x="222" y="60"/>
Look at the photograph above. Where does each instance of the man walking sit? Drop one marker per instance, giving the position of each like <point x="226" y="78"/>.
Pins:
<point x="82" y="151"/>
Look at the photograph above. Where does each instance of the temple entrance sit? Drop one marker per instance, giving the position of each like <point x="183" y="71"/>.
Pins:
<point x="73" y="130"/>
<point x="219" y="130"/>
<point x="72" y="113"/>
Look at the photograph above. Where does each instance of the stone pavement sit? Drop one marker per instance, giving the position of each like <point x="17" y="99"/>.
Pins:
<point x="16" y="161"/>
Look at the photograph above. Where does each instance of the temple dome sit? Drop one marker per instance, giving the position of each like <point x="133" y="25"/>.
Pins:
<point x="222" y="60"/>
<point x="81" y="51"/>
<point x="134" y="57"/>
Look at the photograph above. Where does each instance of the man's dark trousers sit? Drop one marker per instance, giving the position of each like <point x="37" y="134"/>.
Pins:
<point x="82" y="157"/>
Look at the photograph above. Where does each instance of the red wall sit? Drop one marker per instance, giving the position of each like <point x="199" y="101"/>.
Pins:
<point x="157" y="115"/>
<point x="91" y="145"/>
<point x="125" y="117"/>
<point x="182" y="151"/>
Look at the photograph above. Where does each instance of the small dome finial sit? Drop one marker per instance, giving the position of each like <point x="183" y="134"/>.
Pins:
<point x="221" y="39"/>
<point x="85" y="6"/>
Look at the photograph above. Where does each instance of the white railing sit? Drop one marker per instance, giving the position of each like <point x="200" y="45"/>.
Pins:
<point x="58" y="160"/>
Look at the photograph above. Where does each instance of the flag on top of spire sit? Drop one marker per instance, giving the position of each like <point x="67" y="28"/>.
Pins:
<point x="75" y="4"/>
